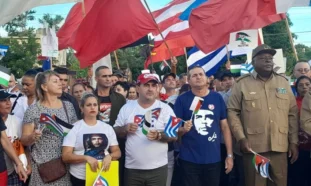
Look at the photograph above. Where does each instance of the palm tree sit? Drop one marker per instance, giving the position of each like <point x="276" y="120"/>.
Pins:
<point x="19" y="24"/>
<point x="47" y="18"/>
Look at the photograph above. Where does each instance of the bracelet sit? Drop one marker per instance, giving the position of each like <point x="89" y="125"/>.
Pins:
<point x="229" y="156"/>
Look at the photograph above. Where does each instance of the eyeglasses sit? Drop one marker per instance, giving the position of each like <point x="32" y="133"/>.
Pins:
<point x="301" y="70"/>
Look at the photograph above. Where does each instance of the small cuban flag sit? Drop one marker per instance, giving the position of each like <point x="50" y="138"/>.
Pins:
<point x="101" y="181"/>
<point x="172" y="126"/>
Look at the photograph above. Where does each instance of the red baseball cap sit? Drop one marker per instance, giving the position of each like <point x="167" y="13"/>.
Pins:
<point x="145" y="78"/>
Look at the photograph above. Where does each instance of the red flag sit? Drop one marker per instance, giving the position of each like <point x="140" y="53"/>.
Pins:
<point x="73" y="20"/>
<point x="176" y="45"/>
<point x="212" y="22"/>
<point x="108" y="26"/>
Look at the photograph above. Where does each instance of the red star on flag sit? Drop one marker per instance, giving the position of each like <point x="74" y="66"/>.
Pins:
<point x="156" y="113"/>
<point x="137" y="119"/>
<point x="175" y="121"/>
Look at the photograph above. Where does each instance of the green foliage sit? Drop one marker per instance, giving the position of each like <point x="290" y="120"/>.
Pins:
<point x="18" y="26"/>
<point x="304" y="52"/>
<point x="74" y="65"/>
<point x="51" y="21"/>
<point x="22" y="53"/>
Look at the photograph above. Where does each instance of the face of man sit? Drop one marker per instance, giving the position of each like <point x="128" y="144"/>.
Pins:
<point x="183" y="80"/>
<point x="64" y="80"/>
<point x="202" y="121"/>
<point x="148" y="91"/>
<point x="227" y="82"/>
<point x="97" y="140"/>
<point x="12" y="82"/>
<point x="302" y="69"/>
<point x="218" y="85"/>
<point x="197" y="78"/>
<point x="263" y="63"/>
<point x="104" y="78"/>
<point x="170" y="83"/>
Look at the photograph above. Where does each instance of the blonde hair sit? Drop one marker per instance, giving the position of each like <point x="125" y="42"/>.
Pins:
<point x="41" y="79"/>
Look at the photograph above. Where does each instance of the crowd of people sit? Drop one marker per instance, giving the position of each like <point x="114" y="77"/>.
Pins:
<point x="62" y="128"/>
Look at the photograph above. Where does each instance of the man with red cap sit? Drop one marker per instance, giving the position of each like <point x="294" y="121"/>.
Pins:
<point x="142" y="122"/>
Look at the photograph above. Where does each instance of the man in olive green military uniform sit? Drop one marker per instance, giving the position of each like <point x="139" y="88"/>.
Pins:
<point x="262" y="113"/>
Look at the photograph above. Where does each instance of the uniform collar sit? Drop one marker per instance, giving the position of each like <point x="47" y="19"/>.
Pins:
<point x="255" y="75"/>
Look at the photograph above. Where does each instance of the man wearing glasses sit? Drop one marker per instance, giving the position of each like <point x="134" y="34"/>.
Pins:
<point x="302" y="68"/>
<point x="262" y="112"/>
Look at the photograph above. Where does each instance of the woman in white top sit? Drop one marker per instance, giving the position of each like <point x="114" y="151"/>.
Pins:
<point x="88" y="142"/>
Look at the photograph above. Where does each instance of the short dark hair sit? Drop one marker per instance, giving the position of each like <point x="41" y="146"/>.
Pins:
<point x="124" y="85"/>
<point x="31" y="73"/>
<point x="100" y="68"/>
<point x="182" y="75"/>
<point x="61" y="70"/>
<point x="192" y="68"/>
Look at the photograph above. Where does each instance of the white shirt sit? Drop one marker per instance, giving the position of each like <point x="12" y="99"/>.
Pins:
<point x="21" y="107"/>
<point x="13" y="131"/>
<point x="88" y="140"/>
<point x="141" y="153"/>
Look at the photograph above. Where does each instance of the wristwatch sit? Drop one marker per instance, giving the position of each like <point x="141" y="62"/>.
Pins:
<point x="229" y="156"/>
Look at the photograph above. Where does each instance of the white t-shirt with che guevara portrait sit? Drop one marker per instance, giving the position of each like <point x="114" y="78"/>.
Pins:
<point x="91" y="141"/>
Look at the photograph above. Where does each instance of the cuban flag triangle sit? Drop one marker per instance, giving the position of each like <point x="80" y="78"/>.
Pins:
<point x="261" y="164"/>
<point x="101" y="181"/>
<point x="172" y="127"/>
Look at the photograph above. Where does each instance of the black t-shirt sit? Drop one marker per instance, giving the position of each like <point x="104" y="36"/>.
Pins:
<point x="104" y="108"/>
<point x="2" y="162"/>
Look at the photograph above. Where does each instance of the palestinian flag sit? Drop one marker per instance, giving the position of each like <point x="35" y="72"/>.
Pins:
<point x="261" y="165"/>
<point x="55" y="124"/>
<point x="5" y="75"/>
<point x="147" y="122"/>
<point x="235" y="69"/>
<point x="65" y="126"/>
<point x="196" y="104"/>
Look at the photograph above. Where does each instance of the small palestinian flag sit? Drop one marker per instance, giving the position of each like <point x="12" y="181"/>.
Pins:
<point x="235" y="69"/>
<point x="5" y="75"/>
<point x="101" y="181"/>
<point x="147" y="122"/>
<point x="172" y="126"/>
<point x="262" y="164"/>
<point x="196" y="104"/>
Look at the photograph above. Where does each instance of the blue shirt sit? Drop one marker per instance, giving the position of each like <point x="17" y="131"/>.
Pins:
<point x="201" y="145"/>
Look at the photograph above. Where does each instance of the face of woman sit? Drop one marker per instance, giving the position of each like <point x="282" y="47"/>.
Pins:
<point x="120" y="90"/>
<point x="77" y="92"/>
<point x="303" y="87"/>
<point x="132" y="93"/>
<point x="90" y="108"/>
<point x="53" y="85"/>
<point x="29" y="87"/>
<point x="5" y="106"/>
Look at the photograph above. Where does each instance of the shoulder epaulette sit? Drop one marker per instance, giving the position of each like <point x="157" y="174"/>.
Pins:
<point x="242" y="77"/>
<point x="277" y="74"/>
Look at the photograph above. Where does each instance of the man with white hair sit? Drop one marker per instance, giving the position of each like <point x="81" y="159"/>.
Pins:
<point x="302" y="68"/>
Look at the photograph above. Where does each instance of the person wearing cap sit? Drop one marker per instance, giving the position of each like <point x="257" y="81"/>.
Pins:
<point x="263" y="113"/>
<point x="200" y="154"/>
<point x="142" y="123"/>
<point x="13" y="131"/>
<point x="63" y="76"/>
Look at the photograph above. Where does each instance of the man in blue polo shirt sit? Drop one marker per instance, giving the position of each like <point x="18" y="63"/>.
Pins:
<point x="201" y="134"/>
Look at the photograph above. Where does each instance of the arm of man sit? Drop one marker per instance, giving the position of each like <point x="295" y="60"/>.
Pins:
<point x="293" y="128"/>
<point x="234" y="112"/>
<point x="225" y="129"/>
<point x="305" y="114"/>
<point x="121" y="128"/>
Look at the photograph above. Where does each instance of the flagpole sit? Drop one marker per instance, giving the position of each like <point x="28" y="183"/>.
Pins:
<point x="83" y="8"/>
<point x="186" y="56"/>
<point x="291" y="39"/>
<point x="101" y="170"/>
<point x="228" y="58"/>
<point x="168" y="48"/>
<point x="117" y="60"/>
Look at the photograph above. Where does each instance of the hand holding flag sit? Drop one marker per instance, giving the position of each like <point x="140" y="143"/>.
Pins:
<point x="196" y="105"/>
<point x="261" y="164"/>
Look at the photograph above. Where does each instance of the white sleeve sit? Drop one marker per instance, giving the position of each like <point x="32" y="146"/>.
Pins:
<point x="19" y="110"/>
<point x="19" y="126"/>
<point x="71" y="138"/>
<point x="121" y="119"/>
<point x="112" y="137"/>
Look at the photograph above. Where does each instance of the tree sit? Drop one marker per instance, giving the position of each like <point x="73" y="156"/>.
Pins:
<point x="51" y="21"/>
<point x="304" y="52"/>
<point x="18" y="26"/>
<point x="276" y="36"/>
<point x="22" y="54"/>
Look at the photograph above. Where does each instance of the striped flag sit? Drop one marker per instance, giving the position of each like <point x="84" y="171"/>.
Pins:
<point x="196" y="104"/>
<point x="210" y="62"/>
<point x="147" y="122"/>
<point x="185" y="15"/>
<point x="261" y="165"/>
<point x="65" y="126"/>
<point x="235" y="69"/>
<point x="246" y="68"/>
<point x="172" y="126"/>
<point x="51" y="124"/>
<point x="4" y="76"/>
<point x="101" y="181"/>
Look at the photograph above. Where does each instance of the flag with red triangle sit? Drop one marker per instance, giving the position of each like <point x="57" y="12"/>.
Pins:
<point x="172" y="126"/>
